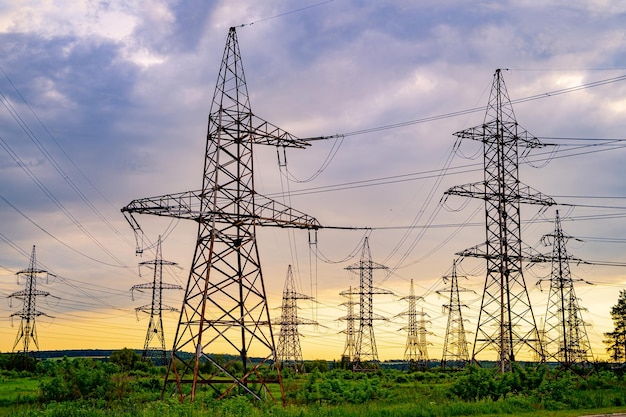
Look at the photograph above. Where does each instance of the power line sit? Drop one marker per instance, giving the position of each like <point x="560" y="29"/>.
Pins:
<point x="473" y="110"/>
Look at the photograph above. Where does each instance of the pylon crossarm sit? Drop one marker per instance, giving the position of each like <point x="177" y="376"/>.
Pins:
<point x="265" y="133"/>
<point x="187" y="205"/>
<point x="524" y="194"/>
<point x="272" y="213"/>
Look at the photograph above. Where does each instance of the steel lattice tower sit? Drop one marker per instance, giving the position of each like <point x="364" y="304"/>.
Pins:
<point x="225" y="304"/>
<point x="455" y="342"/>
<point x="289" y="349"/>
<point x="27" y="333"/>
<point x="565" y="336"/>
<point x="506" y="322"/>
<point x="366" y="354"/>
<point x="349" y="350"/>
<point x="156" y="352"/>
<point x="412" y="348"/>
<point x="422" y="360"/>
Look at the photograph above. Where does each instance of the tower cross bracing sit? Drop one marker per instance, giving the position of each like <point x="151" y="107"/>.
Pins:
<point x="225" y="304"/>
<point x="506" y="323"/>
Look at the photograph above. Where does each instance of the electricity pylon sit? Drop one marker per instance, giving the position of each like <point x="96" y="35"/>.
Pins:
<point x="27" y="333"/>
<point x="506" y="322"/>
<point x="422" y="343"/>
<point x="289" y="349"/>
<point x="225" y="305"/>
<point x="412" y="353"/>
<point x="455" y="343"/>
<point x="349" y="350"/>
<point x="565" y="336"/>
<point x="155" y="353"/>
<point x="366" y="354"/>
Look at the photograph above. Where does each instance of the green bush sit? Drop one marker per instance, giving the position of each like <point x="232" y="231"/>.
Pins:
<point x="79" y="379"/>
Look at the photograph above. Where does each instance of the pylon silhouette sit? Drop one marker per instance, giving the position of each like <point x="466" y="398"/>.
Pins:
<point x="506" y="323"/>
<point x="349" y="350"/>
<point x="225" y="304"/>
<point x="565" y="335"/>
<point x="455" y="343"/>
<point x="27" y="332"/>
<point x="289" y="348"/>
<point x="155" y="352"/>
<point x="412" y="352"/>
<point x="366" y="354"/>
<point x="422" y="345"/>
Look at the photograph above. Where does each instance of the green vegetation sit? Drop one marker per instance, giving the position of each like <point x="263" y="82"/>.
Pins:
<point x="125" y="386"/>
<point x="616" y="340"/>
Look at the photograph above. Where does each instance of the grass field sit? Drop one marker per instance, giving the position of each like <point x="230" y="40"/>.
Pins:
<point x="88" y="388"/>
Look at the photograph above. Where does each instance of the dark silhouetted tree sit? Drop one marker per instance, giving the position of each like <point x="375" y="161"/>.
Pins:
<point x="616" y="340"/>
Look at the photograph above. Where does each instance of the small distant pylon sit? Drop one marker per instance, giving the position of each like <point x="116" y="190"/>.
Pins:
<point x="289" y="348"/>
<point x="412" y="353"/>
<point x="455" y="350"/>
<point x="366" y="355"/>
<point x="27" y="333"/>
<point x="566" y="339"/>
<point x="156" y="352"/>
<point x="349" y="350"/>
<point x="423" y="359"/>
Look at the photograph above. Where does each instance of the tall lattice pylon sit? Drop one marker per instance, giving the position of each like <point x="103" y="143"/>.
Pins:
<point x="289" y="348"/>
<point x="455" y="353"/>
<point x="412" y="352"/>
<point x="565" y="335"/>
<point x="225" y="304"/>
<point x="154" y="346"/>
<point x="27" y="333"/>
<point x="349" y="350"/>
<point x="506" y="323"/>
<point x="422" y="342"/>
<point x="366" y="354"/>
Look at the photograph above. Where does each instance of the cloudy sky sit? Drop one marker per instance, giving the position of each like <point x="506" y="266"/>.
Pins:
<point x="107" y="101"/>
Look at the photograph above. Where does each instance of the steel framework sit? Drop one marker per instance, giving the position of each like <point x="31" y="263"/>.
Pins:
<point x="27" y="333"/>
<point x="412" y="351"/>
<point x="422" y="345"/>
<point x="565" y="335"/>
<point x="289" y="349"/>
<point x="225" y="304"/>
<point x="366" y="354"/>
<point x="152" y="351"/>
<point x="455" y="343"/>
<point x="506" y="322"/>
<point x="349" y="350"/>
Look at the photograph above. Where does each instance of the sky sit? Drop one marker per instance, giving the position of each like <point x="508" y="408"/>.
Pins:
<point x="104" y="102"/>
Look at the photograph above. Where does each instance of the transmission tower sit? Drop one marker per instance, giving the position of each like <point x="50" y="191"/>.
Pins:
<point x="506" y="322"/>
<point x="422" y="345"/>
<point x="27" y="333"/>
<point x="156" y="352"/>
<point x="349" y="350"/>
<point x="225" y="304"/>
<point x="455" y="343"/>
<point x="289" y="349"/>
<point x="412" y="353"/>
<point x="565" y="336"/>
<point x="366" y="355"/>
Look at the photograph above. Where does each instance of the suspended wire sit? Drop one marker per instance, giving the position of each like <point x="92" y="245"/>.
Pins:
<point x="286" y="13"/>
<point x="475" y="109"/>
<point x="57" y="167"/>
<point x="457" y="170"/>
<point x="327" y="161"/>
<point x="21" y="213"/>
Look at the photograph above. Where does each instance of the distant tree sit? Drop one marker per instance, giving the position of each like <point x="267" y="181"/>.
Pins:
<point x="616" y="340"/>
<point x="125" y="359"/>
